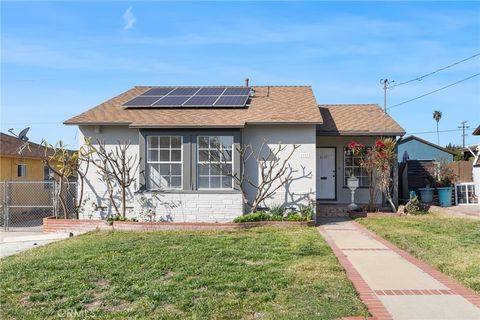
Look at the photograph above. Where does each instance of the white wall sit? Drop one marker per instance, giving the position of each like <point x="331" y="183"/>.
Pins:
<point x="301" y="164"/>
<point x="210" y="206"/>
<point x="179" y="207"/>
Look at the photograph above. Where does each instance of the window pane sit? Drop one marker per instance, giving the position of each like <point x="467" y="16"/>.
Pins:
<point x="203" y="182"/>
<point x="227" y="141"/>
<point x="176" y="182"/>
<point x="176" y="155"/>
<point x="214" y="182"/>
<point x="152" y="155"/>
<point x="153" y="142"/>
<point x="214" y="142"/>
<point x="164" y="155"/>
<point x="348" y="172"/>
<point x="215" y="155"/>
<point x="203" y="155"/>
<point x="203" y="169"/>
<point x="226" y="182"/>
<point x="165" y="169"/>
<point x="165" y="181"/>
<point x="227" y="168"/>
<point x="348" y="161"/>
<point x="176" y="169"/>
<point x="154" y="179"/>
<point x="363" y="181"/>
<point x="176" y="142"/>
<point x="227" y="155"/>
<point x="203" y="142"/>
<point x="164" y="142"/>
<point x="215" y="170"/>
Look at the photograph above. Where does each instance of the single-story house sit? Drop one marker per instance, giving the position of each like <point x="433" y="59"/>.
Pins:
<point x="174" y="130"/>
<point x="21" y="163"/>
<point x="415" y="148"/>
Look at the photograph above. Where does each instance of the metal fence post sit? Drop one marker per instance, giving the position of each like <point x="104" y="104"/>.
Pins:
<point x="7" y="204"/>
<point x="54" y="198"/>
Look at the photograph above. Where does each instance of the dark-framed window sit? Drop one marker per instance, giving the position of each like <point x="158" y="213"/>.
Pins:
<point x="351" y="164"/>
<point x="214" y="162"/>
<point x="164" y="162"/>
<point x="206" y="156"/>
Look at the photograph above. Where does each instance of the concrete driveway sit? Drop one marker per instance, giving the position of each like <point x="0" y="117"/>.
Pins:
<point x="14" y="242"/>
<point x="465" y="211"/>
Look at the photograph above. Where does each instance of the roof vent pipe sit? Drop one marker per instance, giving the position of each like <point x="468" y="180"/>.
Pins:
<point x="246" y="82"/>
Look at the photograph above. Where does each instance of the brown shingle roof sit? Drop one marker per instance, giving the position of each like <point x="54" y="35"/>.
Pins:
<point x="275" y="104"/>
<point x="356" y="119"/>
<point x="10" y="146"/>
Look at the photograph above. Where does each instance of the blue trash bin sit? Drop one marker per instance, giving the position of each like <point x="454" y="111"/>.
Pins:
<point x="445" y="196"/>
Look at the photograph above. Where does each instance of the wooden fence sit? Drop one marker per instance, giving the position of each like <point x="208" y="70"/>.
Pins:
<point x="463" y="170"/>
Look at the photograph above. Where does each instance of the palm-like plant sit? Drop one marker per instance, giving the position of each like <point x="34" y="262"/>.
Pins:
<point x="437" y="115"/>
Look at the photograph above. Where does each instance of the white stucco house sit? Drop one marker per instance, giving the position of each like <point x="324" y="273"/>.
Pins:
<point x="174" y="129"/>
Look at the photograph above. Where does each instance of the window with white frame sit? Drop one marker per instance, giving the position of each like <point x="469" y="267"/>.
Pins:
<point x="351" y="164"/>
<point x="215" y="162"/>
<point x="164" y="162"/>
<point x="21" y="170"/>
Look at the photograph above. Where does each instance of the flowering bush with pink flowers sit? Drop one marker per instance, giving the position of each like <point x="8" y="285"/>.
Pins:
<point x="377" y="162"/>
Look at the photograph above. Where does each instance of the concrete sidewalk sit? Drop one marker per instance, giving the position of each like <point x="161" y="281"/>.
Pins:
<point x="15" y="242"/>
<point x="392" y="283"/>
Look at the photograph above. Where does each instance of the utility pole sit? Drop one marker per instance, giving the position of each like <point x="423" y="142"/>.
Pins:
<point x="385" y="83"/>
<point x="463" y="127"/>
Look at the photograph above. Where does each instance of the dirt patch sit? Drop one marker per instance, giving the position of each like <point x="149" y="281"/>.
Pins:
<point x="96" y="302"/>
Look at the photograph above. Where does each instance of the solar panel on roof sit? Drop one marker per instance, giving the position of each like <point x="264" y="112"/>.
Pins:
<point x="237" y="101"/>
<point x="210" y="91"/>
<point x="184" y="91"/>
<point x="157" y="92"/>
<point x="171" y="101"/>
<point x="192" y="97"/>
<point x="237" y="91"/>
<point x="142" y="101"/>
<point x="201" y="101"/>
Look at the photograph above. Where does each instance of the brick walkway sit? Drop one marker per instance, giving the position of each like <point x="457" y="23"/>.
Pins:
<point x="392" y="283"/>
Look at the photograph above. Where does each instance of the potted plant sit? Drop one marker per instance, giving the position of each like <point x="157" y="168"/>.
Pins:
<point x="426" y="194"/>
<point x="445" y="179"/>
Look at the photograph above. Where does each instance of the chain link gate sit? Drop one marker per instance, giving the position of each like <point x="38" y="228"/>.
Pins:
<point x="24" y="204"/>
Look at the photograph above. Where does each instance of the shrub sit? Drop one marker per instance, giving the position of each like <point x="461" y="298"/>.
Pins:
<point x="414" y="206"/>
<point x="254" y="216"/>
<point x="294" y="216"/>
<point x="117" y="217"/>
<point x="277" y="211"/>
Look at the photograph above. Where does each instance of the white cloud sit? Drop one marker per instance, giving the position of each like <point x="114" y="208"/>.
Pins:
<point x="129" y="19"/>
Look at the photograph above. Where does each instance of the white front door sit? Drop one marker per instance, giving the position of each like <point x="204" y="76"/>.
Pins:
<point x="326" y="173"/>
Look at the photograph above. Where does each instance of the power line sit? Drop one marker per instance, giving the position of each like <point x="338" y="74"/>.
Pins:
<point x="433" y="72"/>
<point x="431" y="92"/>
<point x="425" y="132"/>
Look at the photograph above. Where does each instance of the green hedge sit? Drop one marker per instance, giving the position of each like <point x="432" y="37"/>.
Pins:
<point x="277" y="214"/>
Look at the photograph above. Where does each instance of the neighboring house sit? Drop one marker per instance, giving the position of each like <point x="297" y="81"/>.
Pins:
<point x="415" y="148"/>
<point x="174" y="129"/>
<point x="20" y="163"/>
<point x="476" y="132"/>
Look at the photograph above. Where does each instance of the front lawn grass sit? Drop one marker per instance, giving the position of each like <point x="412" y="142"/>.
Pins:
<point x="261" y="273"/>
<point x="452" y="245"/>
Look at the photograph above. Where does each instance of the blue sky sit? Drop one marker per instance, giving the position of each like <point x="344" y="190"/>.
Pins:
<point x="59" y="59"/>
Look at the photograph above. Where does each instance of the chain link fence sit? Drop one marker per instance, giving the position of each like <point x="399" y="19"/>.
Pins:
<point x="24" y="204"/>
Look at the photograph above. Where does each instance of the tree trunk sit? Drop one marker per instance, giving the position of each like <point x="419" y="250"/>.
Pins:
<point x="124" y="201"/>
